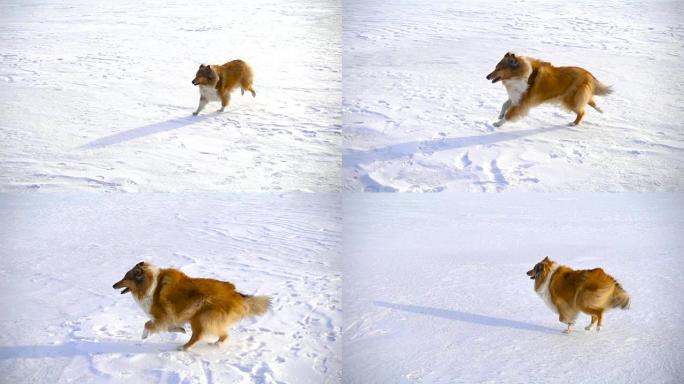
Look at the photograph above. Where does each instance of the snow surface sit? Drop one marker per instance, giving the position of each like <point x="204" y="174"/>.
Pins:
<point x="435" y="289"/>
<point x="98" y="96"/>
<point x="418" y="111"/>
<point x="62" y="321"/>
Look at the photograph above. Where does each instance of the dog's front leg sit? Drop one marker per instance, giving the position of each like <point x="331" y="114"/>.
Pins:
<point x="504" y="108"/>
<point x="202" y="103"/>
<point x="151" y="326"/>
<point x="225" y="100"/>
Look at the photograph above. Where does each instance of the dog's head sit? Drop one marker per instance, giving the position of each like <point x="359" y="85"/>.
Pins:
<point x="205" y="76"/>
<point x="509" y="67"/>
<point x="138" y="279"/>
<point x="541" y="271"/>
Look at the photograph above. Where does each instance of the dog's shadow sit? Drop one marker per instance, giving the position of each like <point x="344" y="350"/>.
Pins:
<point x="146" y="130"/>
<point x="467" y="317"/>
<point x="81" y="348"/>
<point x="352" y="157"/>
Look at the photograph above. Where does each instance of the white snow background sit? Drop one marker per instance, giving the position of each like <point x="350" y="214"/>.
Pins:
<point x="63" y="322"/>
<point x="418" y="111"/>
<point x="435" y="289"/>
<point x="97" y="95"/>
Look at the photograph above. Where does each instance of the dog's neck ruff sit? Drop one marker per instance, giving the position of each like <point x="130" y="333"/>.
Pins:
<point x="146" y="301"/>
<point x="544" y="291"/>
<point x="517" y="87"/>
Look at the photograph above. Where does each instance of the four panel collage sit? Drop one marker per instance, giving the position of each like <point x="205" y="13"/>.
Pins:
<point x="329" y="191"/>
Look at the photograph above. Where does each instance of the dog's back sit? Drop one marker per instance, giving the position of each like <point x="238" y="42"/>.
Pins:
<point x="236" y="73"/>
<point x="209" y="305"/>
<point x="588" y="290"/>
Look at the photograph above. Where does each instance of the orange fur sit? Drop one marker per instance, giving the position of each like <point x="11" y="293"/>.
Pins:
<point x="569" y="292"/>
<point x="171" y="299"/>
<point x="217" y="81"/>
<point x="531" y="82"/>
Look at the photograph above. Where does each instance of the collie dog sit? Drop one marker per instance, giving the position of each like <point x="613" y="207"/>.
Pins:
<point x="217" y="81"/>
<point x="568" y="292"/>
<point x="171" y="299"/>
<point x="530" y="82"/>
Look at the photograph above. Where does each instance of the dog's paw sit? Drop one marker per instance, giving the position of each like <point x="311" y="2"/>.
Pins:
<point x="499" y="123"/>
<point x="145" y="334"/>
<point x="195" y="113"/>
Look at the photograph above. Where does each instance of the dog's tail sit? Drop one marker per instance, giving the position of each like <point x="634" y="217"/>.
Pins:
<point x="247" y="80"/>
<point x="601" y="89"/>
<point x="620" y="298"/>
<point x="256" y="305"/>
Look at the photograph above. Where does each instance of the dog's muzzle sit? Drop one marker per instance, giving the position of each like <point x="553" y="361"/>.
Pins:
<point x="492" y="78"/>
<point x="118" y="286"/>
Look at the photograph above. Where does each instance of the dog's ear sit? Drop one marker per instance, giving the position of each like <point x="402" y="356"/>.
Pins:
<point x="513" y="61"/>
<point x="546" y="258"/>
<point x="138" y="274"/>
<point x="201" y="66"/>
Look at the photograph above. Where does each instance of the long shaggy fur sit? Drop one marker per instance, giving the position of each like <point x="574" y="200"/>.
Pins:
<point x="531" y="82"/>
<point x="217" y="81"/>
<point x="172" y="299"/>
<point x="568" y="292"/>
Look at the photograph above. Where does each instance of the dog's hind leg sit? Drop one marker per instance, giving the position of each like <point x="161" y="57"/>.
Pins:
<point x="600" y="321"/>
<point x="222" y="339"/>
<point x="197" y="331"/>
<point x="202" y="103"/>
<point x="246" y="84"/>
<point x="578" y="119"/>
<point x="592" y="104"/>
<point x="581" y="98"/>
<point x="594" y="319"/>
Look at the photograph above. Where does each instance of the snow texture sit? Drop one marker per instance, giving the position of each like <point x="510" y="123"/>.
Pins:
<point x="63" y="323"/>
<point x="98" y="96"/>
<point x="435" y="288"/>
<point x="418" y="111"/>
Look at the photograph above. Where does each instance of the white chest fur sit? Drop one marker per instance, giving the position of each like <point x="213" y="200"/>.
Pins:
<point x="516" y="88"/>
<point x="209" y="92"/>
<point x="146" y="301"/>
<point x="544" y="291"/>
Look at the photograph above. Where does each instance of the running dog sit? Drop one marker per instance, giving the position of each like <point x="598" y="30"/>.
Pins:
<point x="171" y="299"/>
<point x="217" y="81"/>
<point x="568" y="292"/>
<point x="530" y="82"/>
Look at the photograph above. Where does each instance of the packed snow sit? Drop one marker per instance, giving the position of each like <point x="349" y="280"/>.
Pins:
<point x="98" y="96"/>
<point x="63" y="323"/>
<point x="418" y="111"/>
<point x="435" y="288"/>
